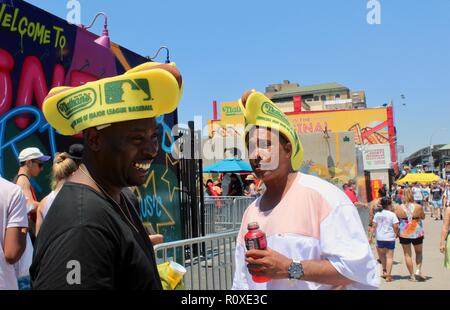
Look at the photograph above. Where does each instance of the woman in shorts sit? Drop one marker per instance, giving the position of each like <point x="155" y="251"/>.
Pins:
<point x="411" y="216"/>
<point x="385" y="227"/>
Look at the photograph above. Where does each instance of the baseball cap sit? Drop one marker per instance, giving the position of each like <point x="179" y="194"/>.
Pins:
<point x="32" y="153"/>
<point x="250" y="178"/>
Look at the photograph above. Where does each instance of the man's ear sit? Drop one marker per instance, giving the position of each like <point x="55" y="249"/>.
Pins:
<point x="288" y="149"/>
<point x="93" y="139"/>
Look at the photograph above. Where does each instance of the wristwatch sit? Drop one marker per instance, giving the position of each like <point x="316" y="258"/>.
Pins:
<point x="295" y="270"/>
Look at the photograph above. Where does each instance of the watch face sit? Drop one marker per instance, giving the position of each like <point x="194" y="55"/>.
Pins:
<point x="295" y="271"/>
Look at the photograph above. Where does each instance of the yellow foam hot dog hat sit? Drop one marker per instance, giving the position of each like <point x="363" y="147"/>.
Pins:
<point x="261" y="111"/>
<point x="148" y="90"/>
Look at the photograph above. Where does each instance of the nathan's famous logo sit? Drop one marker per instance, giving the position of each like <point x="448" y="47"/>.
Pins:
<point x="231" y="111"/>
<point x="76" y="102"/>
<point x="268" y="109"/>
<point x="137" y="90"/>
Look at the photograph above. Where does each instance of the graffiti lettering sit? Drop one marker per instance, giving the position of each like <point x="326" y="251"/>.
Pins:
<point x="39" y="51"/>
<point x="6" y="65"/>
<point x="150" y="206"/>
<point x="32" y="84"/>
<point x="60" y="38"/>
<point x="33" y="30"/>
<point x="39" y="124"/>
<point x="166" y="130"/>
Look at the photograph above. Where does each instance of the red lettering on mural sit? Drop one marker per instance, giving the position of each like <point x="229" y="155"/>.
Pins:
<point x="58" y="75"/>
<point x="319" y="128"/>
<point x="310" y="127"/>
<point x="307" y="127"/>
<point x="32" y="84"/>
<point x="6" y="65"/>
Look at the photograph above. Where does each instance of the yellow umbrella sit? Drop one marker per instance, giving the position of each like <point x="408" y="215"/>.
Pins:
<point x="423" y="178"/>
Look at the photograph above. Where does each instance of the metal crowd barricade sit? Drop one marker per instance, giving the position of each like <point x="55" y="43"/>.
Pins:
<point x="209" y="260"/>
<point x="364" y="216"/>
<point x="225" y="213"/>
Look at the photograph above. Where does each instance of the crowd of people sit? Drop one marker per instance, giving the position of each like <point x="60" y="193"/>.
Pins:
<point x="86" y="232"/>
<point x="234" y="185"/>
<point x="400" y="213"/>
<point x="32" y="162"/>
<point x="90" y="218"/>
<point x="397" y="213"/>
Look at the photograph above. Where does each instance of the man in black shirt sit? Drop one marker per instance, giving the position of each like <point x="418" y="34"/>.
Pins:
<point x="436" y="201"/>
<point x="235" y="187"/>
<point x="92" y="237"/>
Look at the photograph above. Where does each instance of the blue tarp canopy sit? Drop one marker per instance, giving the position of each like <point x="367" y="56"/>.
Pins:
<point x="229" y="165"/>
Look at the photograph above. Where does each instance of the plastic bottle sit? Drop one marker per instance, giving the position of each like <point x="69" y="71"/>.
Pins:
<point x="256" y="239"/>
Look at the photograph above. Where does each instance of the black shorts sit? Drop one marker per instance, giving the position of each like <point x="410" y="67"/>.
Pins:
<point x="416" y="241"/>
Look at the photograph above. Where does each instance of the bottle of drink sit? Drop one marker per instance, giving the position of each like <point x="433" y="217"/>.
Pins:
<point x="256" y="239"/>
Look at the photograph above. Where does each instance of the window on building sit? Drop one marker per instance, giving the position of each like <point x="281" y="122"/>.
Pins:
<point x="323" y="98"/>
<point x="316" y="98"/>
<point x="337" y="96"/>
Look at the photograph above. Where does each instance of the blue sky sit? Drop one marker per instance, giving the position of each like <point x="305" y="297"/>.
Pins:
<point x="226" y="47"/>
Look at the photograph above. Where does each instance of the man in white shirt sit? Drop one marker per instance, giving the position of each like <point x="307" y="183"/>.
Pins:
<point x="13" y="229"/>
<point x="315" y="239"/>
<point x="417" y="194"/>
<point x="31" y="165"/>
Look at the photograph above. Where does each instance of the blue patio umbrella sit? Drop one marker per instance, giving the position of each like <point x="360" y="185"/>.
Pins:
<point x="229" y="165"/>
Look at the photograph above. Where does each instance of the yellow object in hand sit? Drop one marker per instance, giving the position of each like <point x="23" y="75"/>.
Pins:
<point x="171" y="274"/>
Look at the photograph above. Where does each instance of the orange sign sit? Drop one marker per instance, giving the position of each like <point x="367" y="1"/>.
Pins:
<point x="375" y="186"/>
<point x="370" y="126"/>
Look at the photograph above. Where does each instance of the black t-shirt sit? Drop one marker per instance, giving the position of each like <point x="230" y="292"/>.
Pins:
<point x="235" y="189"/>
<point x="436" y="193"/>
<point x="83" y="226"/>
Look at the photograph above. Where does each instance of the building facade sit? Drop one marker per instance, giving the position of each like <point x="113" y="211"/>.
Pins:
<point x="426" y="160"/>
<point x="339" y="144"/>
<point x="320" y="97"/>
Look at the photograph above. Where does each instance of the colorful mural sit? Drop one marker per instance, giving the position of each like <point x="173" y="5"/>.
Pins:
<point x="330" y="156"/>
<point x="39" y="51"/>
<point x="369" y="126"/>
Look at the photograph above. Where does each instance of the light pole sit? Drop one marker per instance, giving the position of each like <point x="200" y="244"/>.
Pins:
<point x="431" y="148"/>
